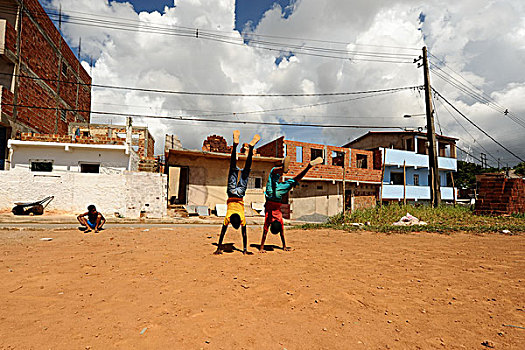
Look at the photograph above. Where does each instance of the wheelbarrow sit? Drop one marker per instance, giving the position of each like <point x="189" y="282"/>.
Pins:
<point x="35" y="208"/>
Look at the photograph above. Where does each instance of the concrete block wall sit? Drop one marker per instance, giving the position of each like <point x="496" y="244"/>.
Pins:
<point x="128" y="193"/>
<point x="499" y="195"/>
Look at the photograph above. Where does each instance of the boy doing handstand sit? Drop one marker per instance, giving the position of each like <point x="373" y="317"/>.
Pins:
<point x="236" y="191"/>
<point x="275" y="190"/>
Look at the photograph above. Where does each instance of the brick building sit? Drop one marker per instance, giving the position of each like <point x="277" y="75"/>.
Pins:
<point x="37" y="69"/>
<point x="320" y="194"/>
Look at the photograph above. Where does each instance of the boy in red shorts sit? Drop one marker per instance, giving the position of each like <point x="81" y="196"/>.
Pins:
<point x="236" y="191"/>
<point x="275" y="190"/>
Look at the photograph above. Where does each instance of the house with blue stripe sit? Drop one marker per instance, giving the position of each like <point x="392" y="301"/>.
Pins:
<point x="406" y="165"/>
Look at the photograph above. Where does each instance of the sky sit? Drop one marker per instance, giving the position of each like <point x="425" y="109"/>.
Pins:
<point x="477" y="57"/>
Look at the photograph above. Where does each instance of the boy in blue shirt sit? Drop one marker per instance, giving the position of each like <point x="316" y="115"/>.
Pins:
<point x="275" y="190"/>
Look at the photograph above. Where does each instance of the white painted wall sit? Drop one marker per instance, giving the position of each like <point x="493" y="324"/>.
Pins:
<point x="68" y="157"/>
<point x="127" y="193"/>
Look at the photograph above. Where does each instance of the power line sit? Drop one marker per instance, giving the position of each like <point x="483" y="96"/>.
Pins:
<point x="197" y="33"/>
<point x="250" y="34"/>
<point x="212" y="113"/>
<point x="187" y="119"/>
<point x="471" y="122"/>
<point x="196" y="93"/>
<point x="463" y="127"/>
<point x="473" y="92"/>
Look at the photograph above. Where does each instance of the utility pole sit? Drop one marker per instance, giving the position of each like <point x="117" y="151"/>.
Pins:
<point x="435" y="192"/>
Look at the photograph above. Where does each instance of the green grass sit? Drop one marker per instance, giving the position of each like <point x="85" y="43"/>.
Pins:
<point x="444" y="219"/>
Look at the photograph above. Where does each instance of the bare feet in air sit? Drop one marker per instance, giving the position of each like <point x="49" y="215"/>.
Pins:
<point x="286" y="164"/>
<point x="236" y="134"/>
<point x="316" y="161"/>
<point x="255" y="139"/>
<point x="217" y="252"/>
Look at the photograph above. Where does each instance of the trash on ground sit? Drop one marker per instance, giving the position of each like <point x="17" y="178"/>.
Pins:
<point x="409" y="220"/>
<point x="46" y="239"/>
<point x="143" y="330"/>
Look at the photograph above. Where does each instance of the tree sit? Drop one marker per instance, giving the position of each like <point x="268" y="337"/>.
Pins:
<point x="520" y="169"/>
<point x="465" y="177"/>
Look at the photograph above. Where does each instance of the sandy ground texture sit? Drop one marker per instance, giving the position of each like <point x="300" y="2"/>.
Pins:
<point x="163" y="288"/>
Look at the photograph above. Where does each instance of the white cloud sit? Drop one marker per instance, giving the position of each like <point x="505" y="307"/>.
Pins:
<point x="484" y="41"/>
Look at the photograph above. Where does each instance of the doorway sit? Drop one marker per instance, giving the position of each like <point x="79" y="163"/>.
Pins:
<point x="178" y="178"/>
<point x="3" y="146"/>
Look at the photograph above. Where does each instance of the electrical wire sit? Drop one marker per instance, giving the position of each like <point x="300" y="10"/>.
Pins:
<point x="197" y="93"/>
<point x="198" y="119"/>
<point x="472" y="91"/>
<point x="210" y="35"/>
<point x="477" y="127"/>
<point x="463" y="127"/>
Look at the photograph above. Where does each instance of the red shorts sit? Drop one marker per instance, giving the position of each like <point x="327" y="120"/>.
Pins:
<point x="272" y="212"/>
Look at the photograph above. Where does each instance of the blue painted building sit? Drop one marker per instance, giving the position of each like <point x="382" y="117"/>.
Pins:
<point x="409" y="150"/>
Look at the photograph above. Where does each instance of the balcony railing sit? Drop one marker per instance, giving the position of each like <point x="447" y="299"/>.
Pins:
<point x="415" y="192"/>
<point x="412" y="159"/>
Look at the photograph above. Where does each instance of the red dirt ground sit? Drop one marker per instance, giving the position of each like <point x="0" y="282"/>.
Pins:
<point x="164" y="289"/>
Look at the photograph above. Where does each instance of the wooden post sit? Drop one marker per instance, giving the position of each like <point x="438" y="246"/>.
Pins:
<point x="344" y="189"/>
<point x="453" y="188"/>
<point x="404" y="184"/>
<point x="435" y="195"/>
<point x="382" y="178"/>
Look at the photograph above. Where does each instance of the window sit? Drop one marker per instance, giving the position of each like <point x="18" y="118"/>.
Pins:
<point x="255" y="183"/>
<point x="320" y="187"/>
<point x="362" y="161"/>
<point x="416" y="179"/>
<point x="42" y="166"/>
<point x="338" y="158"/>
<point x="63" y="115"/>
<point x="421" y="146"/>
<point x="64" y="68"/>
<point x="89" y="168"/>
<point x="396" y="178"/>
<point x="299" y="154"/>
<point x="409" y="144"/>
<point x="315" y="153"/>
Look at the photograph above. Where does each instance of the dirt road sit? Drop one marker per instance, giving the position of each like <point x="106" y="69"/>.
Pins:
<point x="164" y="289"/>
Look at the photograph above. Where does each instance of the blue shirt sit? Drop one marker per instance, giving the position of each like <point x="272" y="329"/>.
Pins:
<point x="275" y="190"/>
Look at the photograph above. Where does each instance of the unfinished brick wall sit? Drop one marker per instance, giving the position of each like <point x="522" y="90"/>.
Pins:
<point x="70" y="139"/>
<point x="216" y="143"/>
<point x="332" y="169"/>
<point x="145" y="142"/>
<point x="498" y="195"/>
<point x="50" y="76"/>
<point x="272" y="149"/>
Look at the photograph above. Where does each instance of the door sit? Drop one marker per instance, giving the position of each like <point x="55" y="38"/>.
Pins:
<point x="178" y="184"/>
<point x="3" y="146"/>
